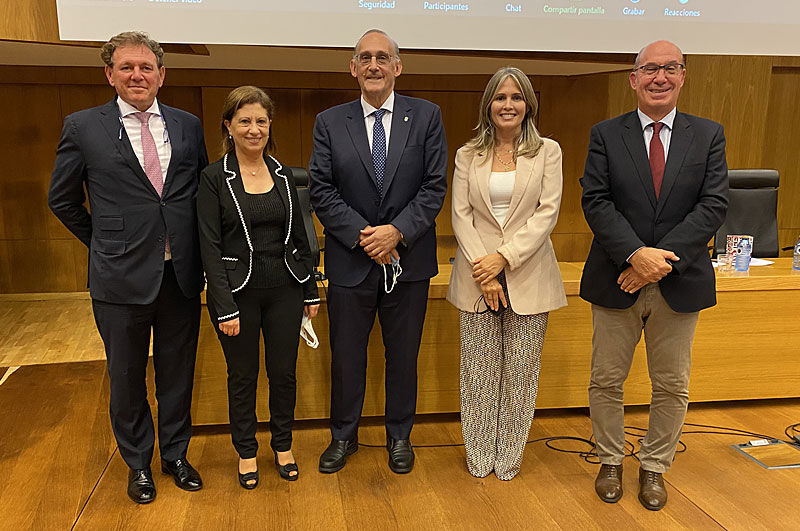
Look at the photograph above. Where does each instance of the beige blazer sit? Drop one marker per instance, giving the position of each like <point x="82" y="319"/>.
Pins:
<point x="532" y="275"/>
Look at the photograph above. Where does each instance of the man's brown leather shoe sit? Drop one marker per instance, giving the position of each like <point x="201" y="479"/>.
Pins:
<point x="608" y="484"/>
<point x="652" y="492"/>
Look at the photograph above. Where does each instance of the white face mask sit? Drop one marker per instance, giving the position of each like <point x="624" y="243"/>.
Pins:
<point x="307" y="333"/>
<point x="396" y="272"/>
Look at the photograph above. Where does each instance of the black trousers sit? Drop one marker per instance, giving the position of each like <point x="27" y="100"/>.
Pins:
<point x="352" y="315"/>
<point x="125" y="329"/>
<point x="278" y="314"/>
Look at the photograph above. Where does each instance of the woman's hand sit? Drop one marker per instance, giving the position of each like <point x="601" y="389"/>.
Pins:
<point x="311" y="310"/>
<point x="485" y="268"/>
<point x="230" y="328"/>
<point x="493" y="294"/>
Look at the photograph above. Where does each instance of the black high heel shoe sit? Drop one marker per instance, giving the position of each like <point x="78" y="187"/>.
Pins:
<point x="286" y="470"/>
<point x="248" y="476"/>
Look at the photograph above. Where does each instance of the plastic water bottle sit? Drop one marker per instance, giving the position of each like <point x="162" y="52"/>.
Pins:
<point x="743" y="251"/>
<point x="796" y="257"/>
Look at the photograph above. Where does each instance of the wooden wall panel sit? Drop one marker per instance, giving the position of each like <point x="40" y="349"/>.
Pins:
<point x="782" y="149"/>
<point x="30" y="129"/>
<point x="734" y="91"/>
<point x="29" y="20"/>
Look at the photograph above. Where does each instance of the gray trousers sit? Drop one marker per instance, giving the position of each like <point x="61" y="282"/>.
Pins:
<point x="500" y="360"/>
<point x="668" y="337"/>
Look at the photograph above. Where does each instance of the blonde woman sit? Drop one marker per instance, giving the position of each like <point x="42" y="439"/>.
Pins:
<point x="506" y="196"/>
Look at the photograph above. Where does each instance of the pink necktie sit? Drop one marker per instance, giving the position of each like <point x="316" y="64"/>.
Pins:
<point x="152" y="164"/>
<point x="657" y="161"/>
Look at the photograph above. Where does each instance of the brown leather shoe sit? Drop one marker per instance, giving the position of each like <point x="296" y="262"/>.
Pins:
<point x="608" y="484"/>
<point x="652" y="492"/>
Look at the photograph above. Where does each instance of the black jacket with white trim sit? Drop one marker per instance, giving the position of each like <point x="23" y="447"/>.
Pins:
<point x="225" y="241"/>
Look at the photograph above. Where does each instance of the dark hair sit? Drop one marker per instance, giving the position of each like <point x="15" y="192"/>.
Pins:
<point x="238" y="98"/>
<point x="130" y="38"/>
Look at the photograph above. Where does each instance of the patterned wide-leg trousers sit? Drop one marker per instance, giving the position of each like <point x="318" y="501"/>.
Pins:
<point x="500" y="360"/>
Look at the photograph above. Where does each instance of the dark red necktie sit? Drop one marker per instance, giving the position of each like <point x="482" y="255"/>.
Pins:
<point x="657" y="159"/>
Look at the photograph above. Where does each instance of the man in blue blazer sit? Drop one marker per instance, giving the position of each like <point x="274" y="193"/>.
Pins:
<point x="139" y="162"/>
<point x="378" y="180"/>
<point x="655" y="190"/>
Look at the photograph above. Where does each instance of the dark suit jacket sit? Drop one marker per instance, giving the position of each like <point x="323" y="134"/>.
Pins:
<point x="224" y="222"/>
<point x="128" y="221"/>
<point x="620" y="205"/>
<point x="345" y="194"/>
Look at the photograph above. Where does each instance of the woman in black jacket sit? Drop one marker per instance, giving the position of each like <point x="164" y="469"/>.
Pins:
<point x="259" y="274"/>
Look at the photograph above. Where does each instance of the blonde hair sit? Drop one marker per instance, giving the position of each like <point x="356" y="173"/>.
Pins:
<point x="528" y="143"/>
<point x="238" y="98"/>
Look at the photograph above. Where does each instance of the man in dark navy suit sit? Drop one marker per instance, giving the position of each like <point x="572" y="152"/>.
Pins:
<point x="655" y="190"/>
<point x="378" y="180"/>
<point x="139" y="162"/>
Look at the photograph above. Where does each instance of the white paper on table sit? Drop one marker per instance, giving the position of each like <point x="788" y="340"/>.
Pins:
<point x="753" y="262"/>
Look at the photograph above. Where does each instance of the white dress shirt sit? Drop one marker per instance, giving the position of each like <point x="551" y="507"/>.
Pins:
<point x="666" y="132"/>
<point x="133" y="128"/>
<point x="369" y="119"/>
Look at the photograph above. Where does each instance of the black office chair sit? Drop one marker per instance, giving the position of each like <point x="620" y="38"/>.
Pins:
<point x="301" y="181"/>
<point x="753" y="210"/>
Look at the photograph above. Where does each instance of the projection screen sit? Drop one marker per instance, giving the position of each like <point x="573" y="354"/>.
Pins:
<point x="767" y="27"/>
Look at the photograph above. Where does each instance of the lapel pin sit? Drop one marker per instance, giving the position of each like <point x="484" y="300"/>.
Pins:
<point x="405" y="119"/>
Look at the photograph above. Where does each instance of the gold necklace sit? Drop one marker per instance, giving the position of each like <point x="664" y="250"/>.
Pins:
<point x="251" y="172"/>
<point x="506" y="165"/>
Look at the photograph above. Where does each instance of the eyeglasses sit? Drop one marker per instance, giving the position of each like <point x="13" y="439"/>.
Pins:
<point x="383" y="59"/>
<point x="651" y="69"/>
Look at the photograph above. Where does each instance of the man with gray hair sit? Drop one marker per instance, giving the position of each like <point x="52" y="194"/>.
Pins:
<point x="655" y="190"/>
<point x="139" y="162"/>
<point x="378" y="180"/>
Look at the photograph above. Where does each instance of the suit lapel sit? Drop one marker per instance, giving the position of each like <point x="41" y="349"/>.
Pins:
<point x="679" y="144"/>
<point x="282" y="186"/>
<point x="236" y="189"/>
<point x="525" y="166"/>
<point x="358" y="135"/>
<point x="483" y="171"/>
<point x="402" y="118"/>
<point x="634" y="141"/>
<point x="110" y="119"/>
<point x="175" y="135"/>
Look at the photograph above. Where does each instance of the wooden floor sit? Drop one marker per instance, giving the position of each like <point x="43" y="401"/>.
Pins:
<point x="59" y="469"/>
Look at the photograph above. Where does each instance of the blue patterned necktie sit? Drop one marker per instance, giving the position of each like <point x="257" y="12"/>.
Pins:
<point x="379" y="148"/>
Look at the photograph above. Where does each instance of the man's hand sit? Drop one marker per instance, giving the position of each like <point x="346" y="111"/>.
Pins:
<point x="630" y="281"/>
<point x="379" y="242"/>
<point x="311" y="310"/>
<point x="486" y="268"/>
<point x="493" y="294"/>
<point x="651" y="263"/>
<point x="230" y="328"/>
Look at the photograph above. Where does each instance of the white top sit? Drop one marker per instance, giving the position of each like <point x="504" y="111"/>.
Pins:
<point x="133" y="128"/>
<point x="369" y="119"/>
<point x="666" y="132"/>
<point x="501" y="188"/>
